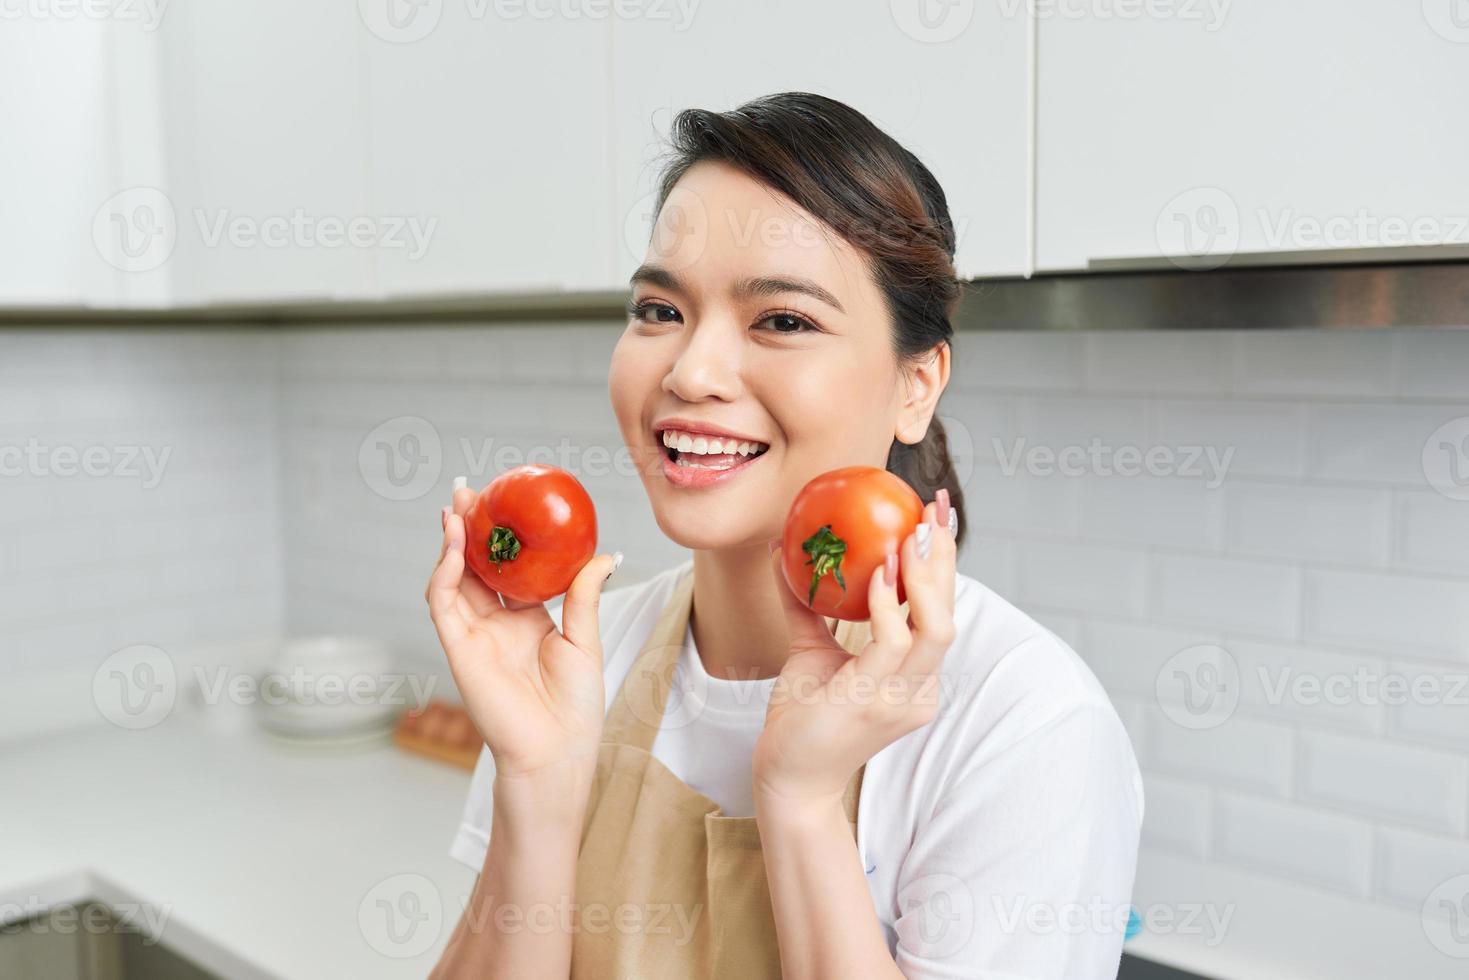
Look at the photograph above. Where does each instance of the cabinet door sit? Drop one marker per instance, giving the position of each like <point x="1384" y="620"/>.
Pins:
<point x="1201" y="129"/>
<point x="488" y="124"/>
<point x="265" y="145"/>
<point x="947" y="80"/>
<point x="54" y="170"/>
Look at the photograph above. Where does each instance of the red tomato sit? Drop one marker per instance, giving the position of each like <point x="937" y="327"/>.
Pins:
<point x="530" y="531"/>
<point x="839" y="531"/>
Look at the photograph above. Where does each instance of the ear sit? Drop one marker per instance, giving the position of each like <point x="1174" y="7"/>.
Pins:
<point x="924" y="380"/>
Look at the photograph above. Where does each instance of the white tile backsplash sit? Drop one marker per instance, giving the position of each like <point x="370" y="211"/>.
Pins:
<point x="1398" y="612"/>
<point x="1345" y="524"/>
<point x="1240" y="752"/>
<point x="144" y="506"/>
<point x="1413" y="864"/>
<point x="1296" y="363"/>
<point x="1317" y="847"/>
<point x="1177" y="815"/>
<point x="1227" y="593"/>
<point x="1259" y="438"/>
<point x="1407" y="783"/>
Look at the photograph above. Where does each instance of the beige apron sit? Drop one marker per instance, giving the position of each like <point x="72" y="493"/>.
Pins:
<point x="667" y="887"/>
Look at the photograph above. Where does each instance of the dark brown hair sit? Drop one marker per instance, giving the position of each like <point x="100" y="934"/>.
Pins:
<point x="833" y="162"/>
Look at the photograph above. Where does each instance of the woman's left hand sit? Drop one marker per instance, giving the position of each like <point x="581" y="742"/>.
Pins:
<point x="831" y="711"/>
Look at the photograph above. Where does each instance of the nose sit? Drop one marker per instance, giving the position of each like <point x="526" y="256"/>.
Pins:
<point x="708" y="367"/>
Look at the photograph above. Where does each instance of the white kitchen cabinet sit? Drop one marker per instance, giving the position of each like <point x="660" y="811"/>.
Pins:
<point x="56" y="170"/>
<point x="948" y="81"/>
<point x="488" y="122"/>
<point x="1214" y="128"/>
<point x="265" y="141"/>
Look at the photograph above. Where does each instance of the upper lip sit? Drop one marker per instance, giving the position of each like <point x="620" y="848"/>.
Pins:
<point x="704" y="429"/>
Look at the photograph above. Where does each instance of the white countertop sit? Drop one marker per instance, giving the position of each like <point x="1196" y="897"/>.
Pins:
<point x="259" y="859"/>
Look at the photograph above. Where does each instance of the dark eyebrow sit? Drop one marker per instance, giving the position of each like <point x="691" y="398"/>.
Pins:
<point x="774" y="285"/>
<point x="654" y="275"/>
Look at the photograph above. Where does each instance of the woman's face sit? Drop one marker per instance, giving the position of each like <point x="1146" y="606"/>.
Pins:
<point x="758" y="333"/>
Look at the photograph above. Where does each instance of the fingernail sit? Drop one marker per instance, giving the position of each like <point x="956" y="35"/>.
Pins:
<point x="954" y="522"/>
<point x="890" y="569"/>
<point x="773" y="543"/>
<point x="461" y="483"/>
<point x="942" y="499"/>
<point x="924" y="534"/>
<point x="616" y="563"/>
<point x="444" y="516"/>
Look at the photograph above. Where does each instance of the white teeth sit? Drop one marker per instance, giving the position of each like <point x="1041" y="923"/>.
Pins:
<point x="704" y="446"/>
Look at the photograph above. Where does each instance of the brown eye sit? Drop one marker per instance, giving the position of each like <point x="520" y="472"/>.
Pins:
<point x="788" y="323"/>
<point x="654" y="313"/>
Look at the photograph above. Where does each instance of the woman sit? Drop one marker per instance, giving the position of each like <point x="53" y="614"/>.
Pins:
<point x="688" y="777"/>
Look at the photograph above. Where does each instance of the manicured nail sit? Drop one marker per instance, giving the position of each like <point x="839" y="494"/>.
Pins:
<point x="924" y="534"/>
<point x="890" y="569"/>
<point x="953" y="522"/>
<point x="444" y="516"/>
<point x="461" y="483"/>
<point x="942" y="499"/>
<point x="616" y="562"/>
<point x="773" y="543"/>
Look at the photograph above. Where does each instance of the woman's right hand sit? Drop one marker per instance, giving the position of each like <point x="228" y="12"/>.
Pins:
<point x="534" y="693"/>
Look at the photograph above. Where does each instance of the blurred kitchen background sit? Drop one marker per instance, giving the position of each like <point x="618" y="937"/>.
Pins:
<point x="273" y="274"/>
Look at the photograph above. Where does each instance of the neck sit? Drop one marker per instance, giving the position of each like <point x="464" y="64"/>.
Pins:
<point x="738" y="622"/>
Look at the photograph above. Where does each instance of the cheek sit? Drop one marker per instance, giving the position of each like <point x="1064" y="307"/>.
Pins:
<point x="631" y="379"/>
<point x="833" y="410"/>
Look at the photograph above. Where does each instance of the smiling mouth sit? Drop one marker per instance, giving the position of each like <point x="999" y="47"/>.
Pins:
<point x="688" y="450"/>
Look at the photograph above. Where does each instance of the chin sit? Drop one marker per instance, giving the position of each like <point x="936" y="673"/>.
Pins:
<point x="703" y="525"/>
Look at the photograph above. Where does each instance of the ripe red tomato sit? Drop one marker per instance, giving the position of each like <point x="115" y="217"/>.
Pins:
<point x="839" y="531"/>
<point x="530" y="531"/>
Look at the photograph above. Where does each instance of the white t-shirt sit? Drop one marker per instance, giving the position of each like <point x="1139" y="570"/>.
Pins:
<point x="1000" y="840"/>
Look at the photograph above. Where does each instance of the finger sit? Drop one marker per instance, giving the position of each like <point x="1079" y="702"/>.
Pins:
<point x="805" y="625"/>
<point x="891" y="637"/>
<point x="463" y="496"/>
<point x="579" y="611"/>
<point x="443" y="590"/>
<point x="483" y="600"/>
<point x="929" y="584"/>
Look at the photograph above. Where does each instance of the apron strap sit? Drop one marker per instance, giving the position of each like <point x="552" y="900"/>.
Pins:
<point x="637" y="711"/>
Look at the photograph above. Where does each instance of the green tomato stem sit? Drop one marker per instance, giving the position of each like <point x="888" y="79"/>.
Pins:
<point x="504" y="545"/>
<point x="826" y="551"/>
